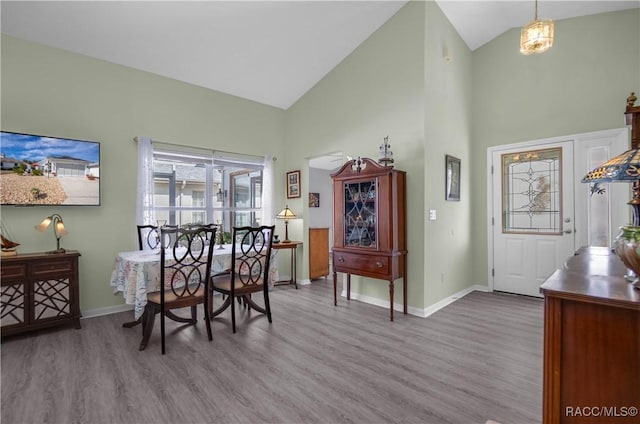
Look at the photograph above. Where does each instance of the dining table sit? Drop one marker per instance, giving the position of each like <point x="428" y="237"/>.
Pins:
<point x="136" y="273"/>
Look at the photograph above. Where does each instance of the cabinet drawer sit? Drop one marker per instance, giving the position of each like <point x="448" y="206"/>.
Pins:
<point x="13" y="271"/>
<point x="368" y="263"/>
<point x="54" y="267"/>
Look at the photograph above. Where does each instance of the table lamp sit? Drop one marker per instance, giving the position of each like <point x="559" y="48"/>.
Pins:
<point x="58" y="230"/>
<point x="286" y="214"/>
<point x="624" y="168"/>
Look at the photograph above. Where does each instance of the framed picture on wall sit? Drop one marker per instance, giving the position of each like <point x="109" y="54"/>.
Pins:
<point x="293" y="184"/>
<point x="452" y="178"/>
<point x="314" y="200"/>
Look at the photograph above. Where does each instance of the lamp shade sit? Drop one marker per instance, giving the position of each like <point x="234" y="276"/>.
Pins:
<point x="624" y="167"/>
<point x="58" y="229"/>
<point x="41" y="227"/>
<point x="286" y="213"/>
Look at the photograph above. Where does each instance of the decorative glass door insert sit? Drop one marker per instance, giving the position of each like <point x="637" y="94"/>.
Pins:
<point x="360" y="223"/>
<point x="531" y="192"/>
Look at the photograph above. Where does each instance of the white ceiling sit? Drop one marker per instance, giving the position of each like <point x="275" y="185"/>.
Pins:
<point x="328" y="162"/>
<point x="480" y="21"/>
<point x="271" y="52"/>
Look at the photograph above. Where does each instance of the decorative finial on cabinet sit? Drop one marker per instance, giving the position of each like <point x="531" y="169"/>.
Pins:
<point x="358" y="165"/>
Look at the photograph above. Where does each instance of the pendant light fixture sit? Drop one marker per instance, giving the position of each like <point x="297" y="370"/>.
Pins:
<point x="537" y="36"/>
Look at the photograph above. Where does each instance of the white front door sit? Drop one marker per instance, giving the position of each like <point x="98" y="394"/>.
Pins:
<point x="542" y="212"/>
<point x="533" y="229"/>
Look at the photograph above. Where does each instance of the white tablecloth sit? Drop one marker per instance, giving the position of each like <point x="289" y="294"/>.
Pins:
<point x="137" y="273"/>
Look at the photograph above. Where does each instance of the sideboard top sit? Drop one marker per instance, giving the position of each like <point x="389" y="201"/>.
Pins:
<point x="39" y="255"/>
<point x="593" y="275"/>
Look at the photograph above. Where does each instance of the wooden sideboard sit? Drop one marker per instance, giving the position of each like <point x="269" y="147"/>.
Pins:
<point x="591" y="341"/>
<point x="39" y="290"/>
<point x="318" y="252"/>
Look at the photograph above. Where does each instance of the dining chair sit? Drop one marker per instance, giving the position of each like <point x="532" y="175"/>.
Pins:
<point x="185" y="267"/>
<point x="149" y="236"/>
<point x="249" y="272"/>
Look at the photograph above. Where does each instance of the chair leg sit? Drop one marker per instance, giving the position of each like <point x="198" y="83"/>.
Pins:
<point x="233" y="315"/>
<point x="253" y="305"/>
<point x="207" y="318"/>
<point x="267" y="306"/>
<point x="162" y="329"/>
<point x="194" y="314"/>
<point x="222" y="308"/>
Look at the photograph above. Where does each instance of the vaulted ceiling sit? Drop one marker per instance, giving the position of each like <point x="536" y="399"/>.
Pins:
<point x="270" y="52"/>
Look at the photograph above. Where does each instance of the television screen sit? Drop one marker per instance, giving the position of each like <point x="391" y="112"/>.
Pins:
<point x="43" y="170"/>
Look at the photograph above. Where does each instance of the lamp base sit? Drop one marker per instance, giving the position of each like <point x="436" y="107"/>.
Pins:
<point x="54" y="252"/>
<point x="626" y="246"/>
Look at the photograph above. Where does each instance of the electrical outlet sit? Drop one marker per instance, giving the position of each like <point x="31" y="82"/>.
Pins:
<point x="432" y="215"/>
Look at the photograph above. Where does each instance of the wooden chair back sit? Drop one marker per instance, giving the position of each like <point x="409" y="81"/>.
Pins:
<point x="185" y="269"/>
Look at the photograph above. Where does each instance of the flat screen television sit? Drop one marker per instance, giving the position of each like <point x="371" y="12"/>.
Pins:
<point x="45" y="170"/>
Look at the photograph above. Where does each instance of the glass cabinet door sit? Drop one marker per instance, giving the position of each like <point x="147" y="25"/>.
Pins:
<point x="360" y="209"/>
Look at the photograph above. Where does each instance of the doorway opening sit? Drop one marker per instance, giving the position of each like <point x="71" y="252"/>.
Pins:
<point x="318" y="210"/>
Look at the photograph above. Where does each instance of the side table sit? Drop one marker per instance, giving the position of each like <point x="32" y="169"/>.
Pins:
<point x="291" y="245"/>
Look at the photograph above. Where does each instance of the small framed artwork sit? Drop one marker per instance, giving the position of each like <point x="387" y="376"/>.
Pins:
<point x="452" y="178"/>
<point x="314" y="200"/>
<point x="293" y="184"/>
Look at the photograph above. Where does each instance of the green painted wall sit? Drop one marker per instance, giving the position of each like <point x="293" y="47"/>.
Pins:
<point x="447" y="241"/>
<point x="53" y="92"/>
<point x="376" y="91"/>
<point x="397" y="84"/>
<point x="579" y="85"/>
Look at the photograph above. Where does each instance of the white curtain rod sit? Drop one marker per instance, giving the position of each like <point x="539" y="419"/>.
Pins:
<point x="214" y="151"/>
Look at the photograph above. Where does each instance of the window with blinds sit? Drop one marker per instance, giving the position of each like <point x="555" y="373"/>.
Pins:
<point x="197" y="186"/>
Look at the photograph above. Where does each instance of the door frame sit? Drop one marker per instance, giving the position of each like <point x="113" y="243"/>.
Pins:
<point x="335" y="154"/>
<point x="530" y="145"/>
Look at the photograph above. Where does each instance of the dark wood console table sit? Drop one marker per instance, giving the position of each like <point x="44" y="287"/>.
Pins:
<point x="39" y="290"/>
<point x="293" y="246"/>
<point x="591" y="341"/>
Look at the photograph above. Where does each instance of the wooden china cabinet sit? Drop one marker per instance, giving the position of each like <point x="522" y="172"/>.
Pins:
<point x="369" y="224"/>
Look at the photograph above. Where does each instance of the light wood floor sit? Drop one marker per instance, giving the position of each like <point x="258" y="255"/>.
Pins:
<point x="479" y="358"/>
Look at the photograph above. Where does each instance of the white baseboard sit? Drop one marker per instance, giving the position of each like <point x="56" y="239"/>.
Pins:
<point x="381" y="302"/>
<point x="113" y="310"/>
<point x="356" y="296"/>
<point x="106" y="311"/>
<point x="450" y="299"/>
<point x="419" y="312"/>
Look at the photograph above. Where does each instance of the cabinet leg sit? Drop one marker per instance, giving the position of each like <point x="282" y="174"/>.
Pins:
<point x="404" y="287"/>
<point x="391" y="300"/>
